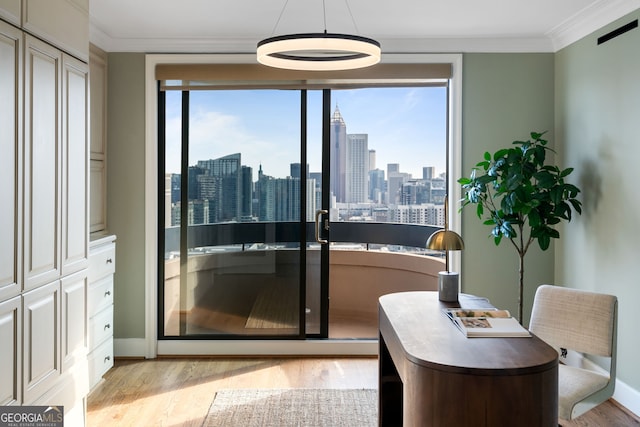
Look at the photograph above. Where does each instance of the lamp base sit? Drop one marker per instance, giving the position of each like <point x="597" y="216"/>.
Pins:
<point x="448" y="286"/>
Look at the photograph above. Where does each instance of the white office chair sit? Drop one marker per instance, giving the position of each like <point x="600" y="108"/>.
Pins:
<point x="578" y="323"/>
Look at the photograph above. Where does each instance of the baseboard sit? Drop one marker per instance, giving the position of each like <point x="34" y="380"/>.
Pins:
<point x="129" y="347"/>
<point x="269" y="347"/>
<point x="136" y="347"/>
<point x="627" y="397"/>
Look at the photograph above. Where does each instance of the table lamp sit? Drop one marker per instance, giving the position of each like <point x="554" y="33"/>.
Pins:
<point x="446" y="240"/>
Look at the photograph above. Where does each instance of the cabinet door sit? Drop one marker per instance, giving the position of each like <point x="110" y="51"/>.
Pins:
<point x="75" y="165"/>
<point x="98" y="106"/>
<point x="10" y="368"/>
<point x="74" y="319"/>
<point x="41" y="340"/>
<point x="98" y="138"/>
<point x="42" y="173"/>
<point x="10" y="146"/>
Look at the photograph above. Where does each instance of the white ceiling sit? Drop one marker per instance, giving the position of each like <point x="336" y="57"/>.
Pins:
<point x="235" y="26"/>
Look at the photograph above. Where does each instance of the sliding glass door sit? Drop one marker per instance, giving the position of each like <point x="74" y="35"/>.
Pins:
<point x="279" y="201"/>
<point x="235" y="227"/>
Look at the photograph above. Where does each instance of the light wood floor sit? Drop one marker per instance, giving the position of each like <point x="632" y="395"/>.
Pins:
<point x="178" y="392"/>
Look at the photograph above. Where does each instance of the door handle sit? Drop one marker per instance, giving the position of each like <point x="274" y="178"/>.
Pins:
<point x="326" y="226"/>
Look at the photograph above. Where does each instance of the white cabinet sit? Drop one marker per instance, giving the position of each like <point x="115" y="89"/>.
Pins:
<point x="44" y="222"/>
<point x="102" y="264"/>
<point x="10" y="351"/>
<point x="10" y="158"/>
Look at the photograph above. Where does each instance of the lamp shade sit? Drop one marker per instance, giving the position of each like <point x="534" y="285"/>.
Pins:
<point x="318" y="52"/>
<point x="445" y="240"/>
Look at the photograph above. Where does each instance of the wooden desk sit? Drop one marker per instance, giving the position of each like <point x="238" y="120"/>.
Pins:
<point x="430" y="374"/>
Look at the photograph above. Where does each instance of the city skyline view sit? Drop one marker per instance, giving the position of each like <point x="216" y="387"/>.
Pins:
<point x="405" y="126"/>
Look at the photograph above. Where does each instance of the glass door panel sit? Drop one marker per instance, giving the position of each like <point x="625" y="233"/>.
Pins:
<point x="388" y="151"/>
<point x="232" y="251"/>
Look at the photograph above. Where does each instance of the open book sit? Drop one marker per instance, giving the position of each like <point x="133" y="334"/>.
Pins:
<point x="486" y="323"/>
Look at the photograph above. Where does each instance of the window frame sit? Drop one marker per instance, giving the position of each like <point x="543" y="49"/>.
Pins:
<point x="151" y="345"/>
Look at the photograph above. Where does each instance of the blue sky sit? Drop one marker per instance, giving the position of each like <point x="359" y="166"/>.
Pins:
<point x="405" y="126"/>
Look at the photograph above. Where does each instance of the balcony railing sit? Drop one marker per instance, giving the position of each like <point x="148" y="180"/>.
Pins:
<point x="243" y="233"/>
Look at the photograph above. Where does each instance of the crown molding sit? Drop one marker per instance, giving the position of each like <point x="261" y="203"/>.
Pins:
<point x="392" y="45"/>
<point x="590" y="19"/>
<point x="468" y="45"/>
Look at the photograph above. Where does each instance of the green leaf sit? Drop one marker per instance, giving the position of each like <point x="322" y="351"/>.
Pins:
<point x="534" y="218"/>
<point x="487" y="156"/>
<point x="577" y="206"/>
<point x="572" y="190"/>
<point x="544" y="242"/>
<point x="553" y="221"/>
<point x="545" y="179"/>
<point x="566" y="172"/>
<point x="500" y="154"/>
<point x="464" y="181"/>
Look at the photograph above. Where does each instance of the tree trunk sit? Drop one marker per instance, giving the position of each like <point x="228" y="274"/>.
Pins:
<point x="521" y="291"/>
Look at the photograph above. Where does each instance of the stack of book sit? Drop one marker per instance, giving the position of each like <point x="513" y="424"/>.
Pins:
<point x="486" y="323"/>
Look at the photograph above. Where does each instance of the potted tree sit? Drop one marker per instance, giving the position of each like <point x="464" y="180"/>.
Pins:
<point x="521" y="197"/>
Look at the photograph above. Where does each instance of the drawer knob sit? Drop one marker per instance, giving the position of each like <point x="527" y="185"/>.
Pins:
<point x="107" y="326"/>
<point x="107" y="358"/>
<point x="109" y="261"/>
<point x="107" y="293"/>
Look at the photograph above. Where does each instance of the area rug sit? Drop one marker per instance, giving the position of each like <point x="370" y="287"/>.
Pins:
<point x="294" y="407"/>
<point x="275" y="307"/>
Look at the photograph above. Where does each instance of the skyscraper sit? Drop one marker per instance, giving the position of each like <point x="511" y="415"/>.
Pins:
<point x="229" y="192"/>
<point x="357" y="168"/>
<point x="428" y="172"/>
<point x="376" y="185"/>
<point x="372" y="159"/>
<point x="265" y="194"/>
<point x="246" y="195"/>
<point x="338" y="141"/>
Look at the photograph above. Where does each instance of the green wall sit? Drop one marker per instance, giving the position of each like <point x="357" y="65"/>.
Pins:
<point x="598" y="124"/>
<point x="504" y="98"/>
<point x="588" y="98"/>
<point x="125" y="188"/>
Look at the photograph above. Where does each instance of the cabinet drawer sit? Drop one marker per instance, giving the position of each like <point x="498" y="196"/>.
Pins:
<point x="101" y="327"/>
<point x="100" y="295"/>
<point x="102" y="262"/>
<point x="100" y="361"/>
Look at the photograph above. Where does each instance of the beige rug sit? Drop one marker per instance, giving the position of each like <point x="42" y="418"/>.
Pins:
<point x="294" y="407"/>
<point x="275" y="307"/>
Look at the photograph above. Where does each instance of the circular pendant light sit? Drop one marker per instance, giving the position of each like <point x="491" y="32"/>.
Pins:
<point x="318" y="52"/>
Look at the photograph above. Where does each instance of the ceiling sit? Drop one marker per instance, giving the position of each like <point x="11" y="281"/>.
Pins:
<point x="401" y="26"/>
